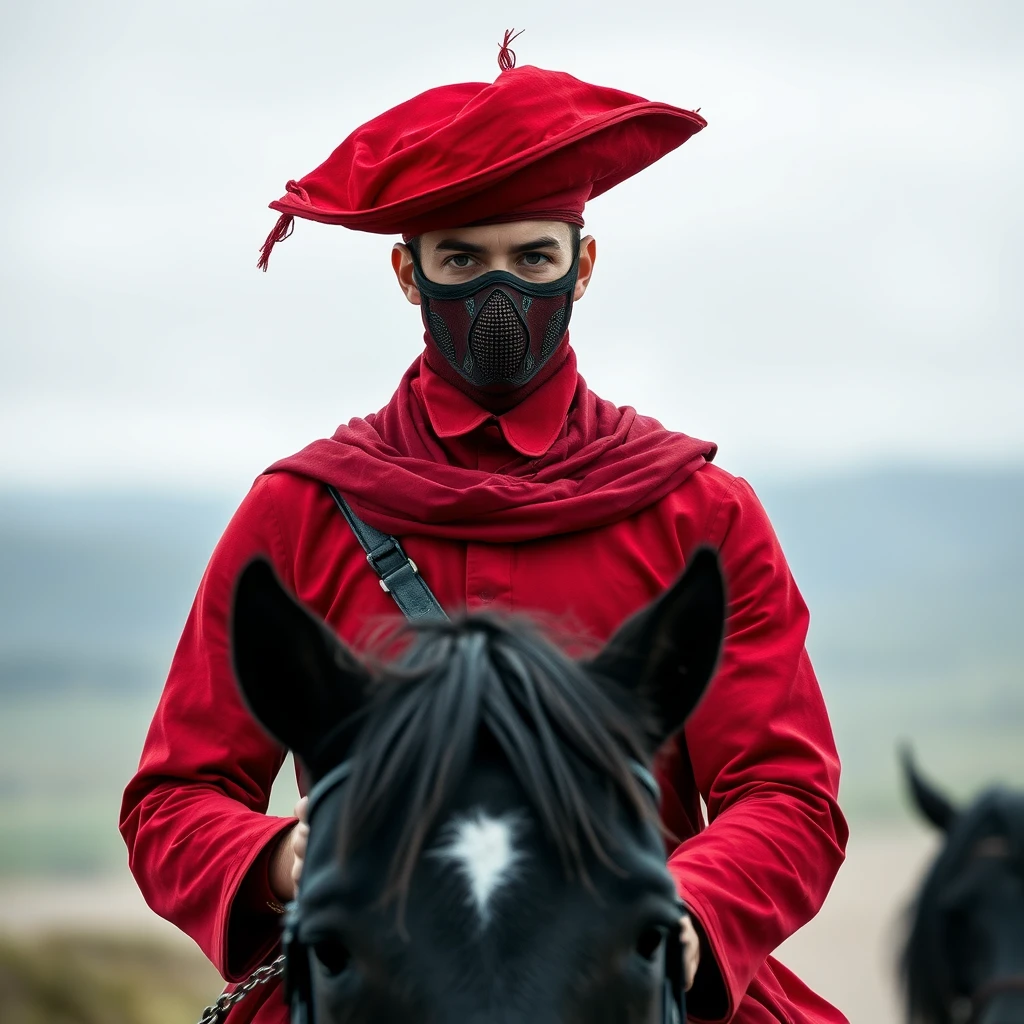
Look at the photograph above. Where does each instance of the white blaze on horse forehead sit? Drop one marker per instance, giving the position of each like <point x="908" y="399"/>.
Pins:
<point x="483" y="849"/>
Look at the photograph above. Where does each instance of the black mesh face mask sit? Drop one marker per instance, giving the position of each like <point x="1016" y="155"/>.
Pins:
<point x="497" y="331"/>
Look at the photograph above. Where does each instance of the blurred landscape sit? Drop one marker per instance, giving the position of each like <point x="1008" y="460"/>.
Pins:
<point x="915" y="580"/>
<point x="914" y="576"/>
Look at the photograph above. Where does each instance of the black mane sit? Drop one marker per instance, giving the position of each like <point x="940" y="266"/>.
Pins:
<point x="558" y="728"/>
<point x="925" y="963"/>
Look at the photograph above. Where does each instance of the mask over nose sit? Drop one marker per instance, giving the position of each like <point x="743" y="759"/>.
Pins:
<point x="497" y="333"/>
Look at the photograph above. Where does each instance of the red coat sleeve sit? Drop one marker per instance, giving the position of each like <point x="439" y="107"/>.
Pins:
<point x="194" y="816"/>
<point x="764" y="760"/>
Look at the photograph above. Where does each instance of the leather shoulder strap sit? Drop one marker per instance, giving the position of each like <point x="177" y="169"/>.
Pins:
<point x="398" y="574"/>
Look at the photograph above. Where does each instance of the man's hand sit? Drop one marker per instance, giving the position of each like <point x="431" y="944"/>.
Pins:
<point x="691" y="951"/>
<point x="286" y="860"/>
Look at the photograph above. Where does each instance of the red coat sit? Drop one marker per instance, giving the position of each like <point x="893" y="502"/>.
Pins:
<point x="759" y="750"/>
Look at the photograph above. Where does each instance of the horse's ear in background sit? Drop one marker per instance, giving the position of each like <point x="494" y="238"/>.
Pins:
<point x="296" y="676"/>
<point x="935" y="806"/>
<point x="668" y="652"/>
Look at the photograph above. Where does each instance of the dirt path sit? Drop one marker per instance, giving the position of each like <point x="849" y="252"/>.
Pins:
<point x="846" y="953"/>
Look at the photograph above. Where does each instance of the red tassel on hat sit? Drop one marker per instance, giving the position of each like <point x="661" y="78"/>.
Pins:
<point x="506" y="55"/>
<point x="282" y="229"/>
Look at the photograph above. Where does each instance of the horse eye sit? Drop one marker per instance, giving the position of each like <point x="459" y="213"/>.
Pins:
<point x="649" y="942"/>
<point x="332" y="955"/>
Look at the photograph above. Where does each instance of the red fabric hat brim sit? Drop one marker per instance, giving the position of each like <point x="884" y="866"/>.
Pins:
<point x="475" y="153"/>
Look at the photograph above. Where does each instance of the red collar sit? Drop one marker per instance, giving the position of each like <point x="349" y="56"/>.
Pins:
<point x="531" y="427"/>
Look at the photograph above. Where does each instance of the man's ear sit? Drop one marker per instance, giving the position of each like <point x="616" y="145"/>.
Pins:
<point x="403" y="266"/>
<point x="667" y="653"/>
<point x="298" y="679"/>
<point x="588" y="257"/>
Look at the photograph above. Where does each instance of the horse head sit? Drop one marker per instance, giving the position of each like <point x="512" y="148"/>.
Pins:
<point x="964" y="957"/>
<point x="484" y="842"/>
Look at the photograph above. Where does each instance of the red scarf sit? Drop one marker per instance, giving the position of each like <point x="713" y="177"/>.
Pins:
<point x="605" y="464"/>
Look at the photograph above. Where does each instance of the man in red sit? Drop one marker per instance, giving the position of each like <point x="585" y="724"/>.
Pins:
<point x="514" y="488"/>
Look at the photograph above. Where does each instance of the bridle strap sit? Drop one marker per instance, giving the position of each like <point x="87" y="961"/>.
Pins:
<point x="334" y="778"/>
<point x="988" y="992"/>
<point x="647" y="780"/>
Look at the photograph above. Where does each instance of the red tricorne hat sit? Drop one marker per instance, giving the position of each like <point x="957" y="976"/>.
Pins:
<point x="532" y="145"/>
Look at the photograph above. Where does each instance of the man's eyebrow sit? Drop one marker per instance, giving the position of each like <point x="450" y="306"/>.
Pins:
<point x="458" y="245"/>
<point x="544" y="242"/>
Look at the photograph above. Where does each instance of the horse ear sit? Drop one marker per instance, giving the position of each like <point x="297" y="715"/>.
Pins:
<point x="667" y="653"/>
<point x="935" y="806"/>
<point x="298" y="679"/>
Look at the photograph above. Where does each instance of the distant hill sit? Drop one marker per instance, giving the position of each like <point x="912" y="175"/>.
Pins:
<point x="96" y="587"/>
<point x="907" y="569"/>
<point x="915" y="581"/>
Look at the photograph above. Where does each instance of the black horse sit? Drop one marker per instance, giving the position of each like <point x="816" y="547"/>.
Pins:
<point x="484" y="844"/>
<point x="964" y="957"/>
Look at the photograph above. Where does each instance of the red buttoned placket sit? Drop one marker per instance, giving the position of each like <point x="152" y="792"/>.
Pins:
<point x="473" y="437"/>
<point x="489" y="566"/>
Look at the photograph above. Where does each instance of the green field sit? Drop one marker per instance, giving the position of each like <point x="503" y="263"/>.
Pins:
<point x="64" y="761"/>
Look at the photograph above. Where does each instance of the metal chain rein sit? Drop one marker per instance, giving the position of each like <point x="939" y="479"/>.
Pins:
<point x="216" y="1012"/>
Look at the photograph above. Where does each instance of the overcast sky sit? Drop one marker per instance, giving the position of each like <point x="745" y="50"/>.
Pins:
<point x="829" y="274"/>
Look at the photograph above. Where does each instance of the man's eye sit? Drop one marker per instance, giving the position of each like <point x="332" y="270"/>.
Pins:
<point x="460" y="261"/>
<point x="535" y="259"/>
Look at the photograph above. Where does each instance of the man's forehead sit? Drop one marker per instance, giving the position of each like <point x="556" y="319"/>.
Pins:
<point x="499" y="237"/>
